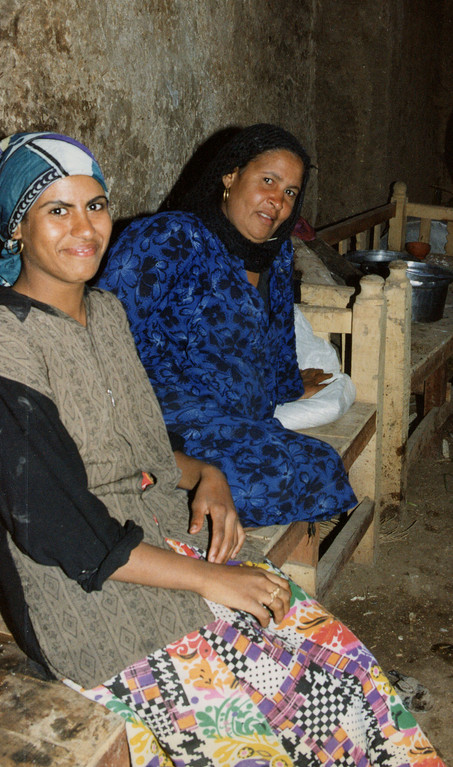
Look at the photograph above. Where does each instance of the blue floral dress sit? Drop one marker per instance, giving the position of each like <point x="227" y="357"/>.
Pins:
<point x="220" y="363"/>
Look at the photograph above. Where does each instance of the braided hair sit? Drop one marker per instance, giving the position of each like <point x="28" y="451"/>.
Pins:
<point x="205" y="197"/>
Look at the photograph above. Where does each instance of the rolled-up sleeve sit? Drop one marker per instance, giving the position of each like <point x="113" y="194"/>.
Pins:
<point x="45" y="503"/>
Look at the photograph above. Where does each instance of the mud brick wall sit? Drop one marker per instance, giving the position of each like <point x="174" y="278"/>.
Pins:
<point x="366" y="86"/>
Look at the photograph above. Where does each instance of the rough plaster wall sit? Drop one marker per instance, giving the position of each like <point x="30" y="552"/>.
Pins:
<point x="144" y="82"/>
<point x="366" y="86"/>
<point x="382" y="98"/>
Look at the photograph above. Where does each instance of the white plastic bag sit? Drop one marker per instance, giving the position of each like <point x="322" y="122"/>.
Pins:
<point x="329" y="403"/>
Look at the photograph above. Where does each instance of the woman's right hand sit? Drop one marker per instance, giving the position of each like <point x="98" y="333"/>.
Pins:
<point x="250" y="588"/>
<point x="241" y="587"/>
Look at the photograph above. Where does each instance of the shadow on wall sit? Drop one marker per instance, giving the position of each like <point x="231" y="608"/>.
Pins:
<point x="195" y="166"/>
<point x="188" y="177"/>
<point x="448" y="157"/>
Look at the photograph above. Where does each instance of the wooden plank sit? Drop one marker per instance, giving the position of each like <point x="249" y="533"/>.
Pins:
<point x="306" y="550"/>
<point x="427" y="428"/>
<point x="356" y="447"/>
<point x="340" y="268"/>
<point x="48" y="723"/>
<point x="425" y="230"/>
<point x="321" y="318"/>
<point x="341" y="549"/>
<point x="291" y="536"/>
<point x="349" y="227"/>
<point x="433" y="212"/>
<point x="350" y="433"/>
<point x="431" y="346"/>
<point x="435" y="389"/>
<point x="396" y="394"/>
<point x="327" y="296"/>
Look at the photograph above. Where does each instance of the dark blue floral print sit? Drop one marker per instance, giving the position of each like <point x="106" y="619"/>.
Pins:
<point x="219" y="364"/>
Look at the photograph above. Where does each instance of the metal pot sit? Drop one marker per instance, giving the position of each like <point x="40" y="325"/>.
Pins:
<point x="429" y="290"/>
<point x="375" y="261"/>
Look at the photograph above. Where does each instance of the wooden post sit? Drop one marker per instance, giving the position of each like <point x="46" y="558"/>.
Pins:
<point x="368" y="357"/>
<point x="397" y="386"/>
<point x="397" y="225"/>
<point x="377" y="231"/>
<point x="425" y="229"/>
<point x="362" y="240"/>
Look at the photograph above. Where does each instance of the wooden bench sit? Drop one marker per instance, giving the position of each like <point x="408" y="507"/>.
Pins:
<point x="378" y="316"/>
<point x="47" y="723"/>
<point x="422" y="365"/>
<point x="413" y="358"/>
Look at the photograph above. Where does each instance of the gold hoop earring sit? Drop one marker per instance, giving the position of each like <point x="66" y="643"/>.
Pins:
<point x="15" y="246"/>
<point x="226" y="194"/>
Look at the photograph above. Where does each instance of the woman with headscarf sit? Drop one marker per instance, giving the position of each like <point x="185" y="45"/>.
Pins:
<point x="98" y="581"/>
<point x="209" y="296"/>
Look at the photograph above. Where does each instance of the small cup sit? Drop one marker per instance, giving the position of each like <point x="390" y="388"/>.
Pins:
<point x="418" y="249"/>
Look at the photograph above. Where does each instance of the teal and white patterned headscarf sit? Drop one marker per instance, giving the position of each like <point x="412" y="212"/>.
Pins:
<point x="29" y="164"/>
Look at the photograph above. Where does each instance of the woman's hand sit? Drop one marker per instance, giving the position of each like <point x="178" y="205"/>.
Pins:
<point x="212" y="497"/>
<point x="240" y="587"/>
<point x="253" y="589"/>
<point x="313" y="381"/>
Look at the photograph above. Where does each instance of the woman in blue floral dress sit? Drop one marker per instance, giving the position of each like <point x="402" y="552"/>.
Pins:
<point x="208" y="293"/>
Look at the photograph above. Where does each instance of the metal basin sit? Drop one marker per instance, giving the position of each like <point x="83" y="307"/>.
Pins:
<point x="429" y="282"/>
<point x="375" y="261"/>
<point x="429" y="290"/>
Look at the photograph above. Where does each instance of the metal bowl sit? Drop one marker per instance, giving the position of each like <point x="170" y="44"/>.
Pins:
<point x="375" y="261"/>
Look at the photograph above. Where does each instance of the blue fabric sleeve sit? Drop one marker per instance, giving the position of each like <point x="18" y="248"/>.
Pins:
<point x="45" y="503"/>
<point x="288" y="380"/>
<point x="146" y="261"/>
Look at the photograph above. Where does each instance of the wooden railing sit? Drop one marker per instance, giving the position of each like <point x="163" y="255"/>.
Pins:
<point x="366" y="227"/>
<point x="363" y="232"/>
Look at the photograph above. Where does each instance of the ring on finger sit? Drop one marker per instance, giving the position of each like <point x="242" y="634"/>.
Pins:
<point x="274" y="594"/>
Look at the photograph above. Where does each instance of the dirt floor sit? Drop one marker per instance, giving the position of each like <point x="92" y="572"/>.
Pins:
<point x="402" y="608"/>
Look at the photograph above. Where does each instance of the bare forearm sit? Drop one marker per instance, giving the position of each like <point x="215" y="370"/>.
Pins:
<point x="151" y="566"/>
<point x="252" y="589"/>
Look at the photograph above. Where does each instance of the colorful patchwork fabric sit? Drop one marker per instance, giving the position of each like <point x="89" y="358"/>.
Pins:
<point x="305" y="693"/>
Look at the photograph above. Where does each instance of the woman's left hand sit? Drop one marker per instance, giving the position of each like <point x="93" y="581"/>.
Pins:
<point x="314" y="380"/>
<point x="212" y="497"/>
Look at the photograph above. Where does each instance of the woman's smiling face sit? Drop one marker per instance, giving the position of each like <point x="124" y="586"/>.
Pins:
<point x="66" y="232"/>
<point x="262" y="195"/>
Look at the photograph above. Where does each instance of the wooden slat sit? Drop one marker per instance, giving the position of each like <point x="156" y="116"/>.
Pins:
<point x="425" y="230"/>
<point x="351" y="226"/>
<point x="427" y="429"/>
<point x="282" y="549"/>
<point x="377" y="231"/>
<point x="357" y="446"/>
<point x="342" y="547"/>
<point x="431" y="346"/>
<point x="337" y="296"/>
<point x="435" y="389"/>
<point x="433" y="212"/>
<point x="362" y="240"/>
<point x="349" y="433"/>
<point x="321" y="318"/>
